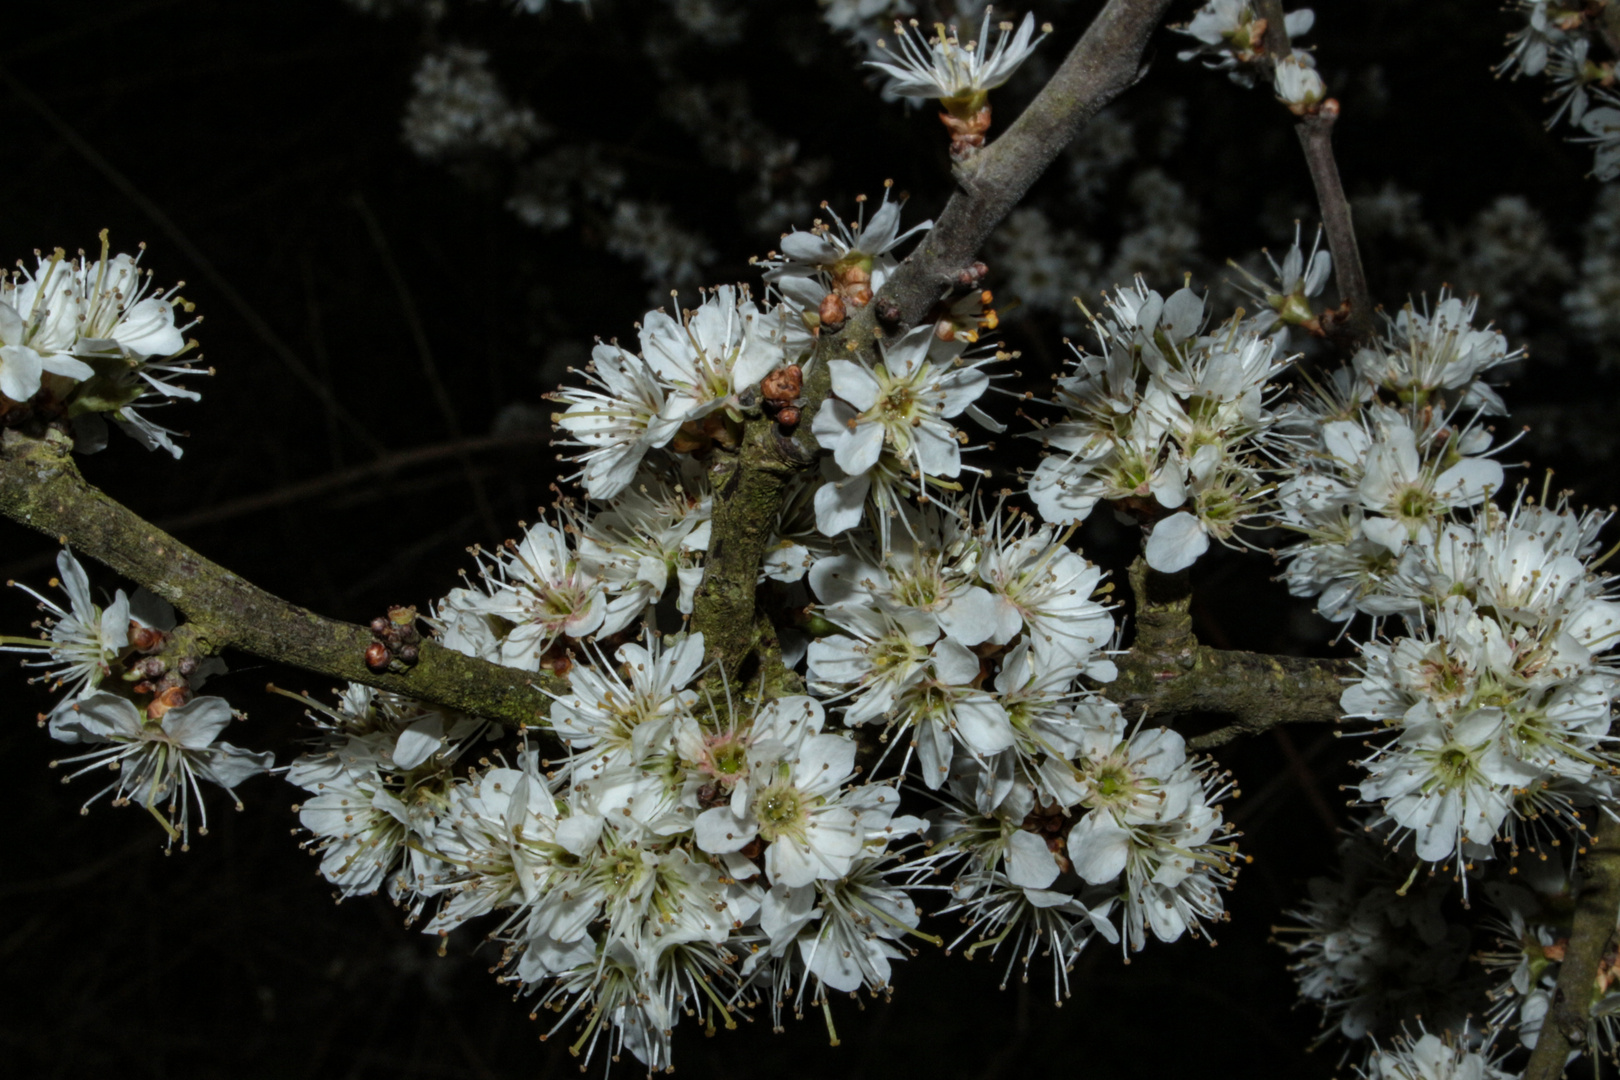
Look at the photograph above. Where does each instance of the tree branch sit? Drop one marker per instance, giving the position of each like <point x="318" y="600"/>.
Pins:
<point x="41" y="487"/>
<point x="1168" y="675"/>
<point x="1569" y="1019"/>
<point x="748" y="496"/>
<point x="1608" y="26"/>
<point x="1103" y="63"/>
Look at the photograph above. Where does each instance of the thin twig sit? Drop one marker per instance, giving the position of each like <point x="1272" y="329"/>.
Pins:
<point x="1568" y="1024"/>
<point x="41" y="487"/>
<point x="461" y="450"/>
<point x="1315" y="133"/>
<point x="1608" y="25"/>
<point x="314" y="488"/>
<point x="1316" y="137"/>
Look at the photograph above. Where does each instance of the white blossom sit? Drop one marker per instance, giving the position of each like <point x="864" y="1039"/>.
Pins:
<point x="944" y="67"/>
<point x="157" y="763"/>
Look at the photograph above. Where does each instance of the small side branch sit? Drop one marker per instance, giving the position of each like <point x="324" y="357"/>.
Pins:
<point x="748" y="496"/>
<point x="1103" y="64"/>
<point x="41" y="487"/>
<point x="1569" y="1019"/>
<point x="1255" y="691"/>
<point x="1168" y="675"/>
<point x="1316" y="139"/>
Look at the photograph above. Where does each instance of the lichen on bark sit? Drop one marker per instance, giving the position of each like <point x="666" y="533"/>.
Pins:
<point x="41" y="487"/>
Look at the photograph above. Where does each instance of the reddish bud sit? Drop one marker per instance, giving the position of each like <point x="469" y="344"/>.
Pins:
<point x="783" y="384"/>
<point x="145" y="638"/>
<point x="377" y="656"/>
<point x="832" y="311"/>
<point x="172" y="698"/>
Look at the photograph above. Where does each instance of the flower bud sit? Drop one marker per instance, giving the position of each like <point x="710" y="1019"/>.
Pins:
<point x="783" y="384"/>
<point x="145" y="638"/>
<point x="1298" y="85"/>
<point x="172" y="698"/>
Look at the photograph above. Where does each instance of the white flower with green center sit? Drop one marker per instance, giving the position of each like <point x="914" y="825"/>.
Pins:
<point x="1447" y="783"/>
<point x="1231" y="35"/>
<point x="609" y="719"/>
<point x="794" y="803"/>
<point x="509" y="842"/>
<point x="722" y="755"/>
<point x="1050" y="718"/>
<point x="39" y="325"/>
<point x="1045" y="590"/>
<point x="959" y="75"/>
<point x="80" y="644"/>
<point x="653" y="897"/>
<point x="1132" y="781"/>
<point x="944" y="709"/>
<point x="711" y="355"/>
<point x="617" y="419"/>
<point x="897" y="412"/>
<point x="900" y="405"/>
<point x="656" y="530"/>
<point x="1152" y="828"/>
<point x="545" y="592"/>
<point x="1408" y="480"/>
<point x="157" y="764"/>
<point x="381" y="784"/>
<point x="845" y="931"/>
<point x="883" y="653"/>
<point x="814" y="260"/>
<point x="1175" y="875"/>
<point x="1430" y="352"/>
<point x="119" y="318"/>
<point x="928" y="569"/>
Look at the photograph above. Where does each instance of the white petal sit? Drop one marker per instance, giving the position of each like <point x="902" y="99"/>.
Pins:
<point x="1176" y="543"/>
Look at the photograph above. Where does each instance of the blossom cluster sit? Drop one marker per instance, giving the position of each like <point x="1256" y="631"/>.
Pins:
<point x="685" y="390"/>
<point x="134" y="711"/>
<point x="1492" y="709"/>
<point x="1172" y="423"/>
<point x="698" y="846"/>
<point x="82" y="339"/>
<point x="687" y="854"/>
<point x="1556" y="40"/>
<point x="589" y="575"/>
<point x="1389" y="449"/>
<point x="1496" y="705"/>
<point x="1378" y="950"/>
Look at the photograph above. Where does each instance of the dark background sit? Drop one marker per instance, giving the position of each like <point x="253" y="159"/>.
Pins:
<point x="251" y="143"/>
